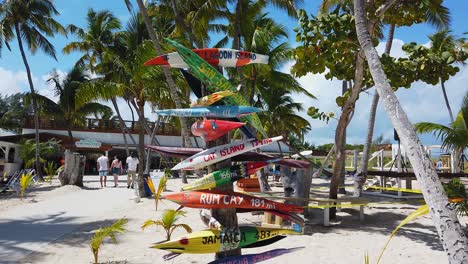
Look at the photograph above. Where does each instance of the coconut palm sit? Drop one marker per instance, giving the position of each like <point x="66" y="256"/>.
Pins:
<point x="444" y="218"/>
<point x="93" y="42"/>
<point x="126" y="75"/>
<point x="445" y="46"/>
<point x="280" y="117"/>
<point x="30" y="21"/>
<point x="453" y="137"/>
<point x="66" y="109"/>
<point x="174" y="91"/>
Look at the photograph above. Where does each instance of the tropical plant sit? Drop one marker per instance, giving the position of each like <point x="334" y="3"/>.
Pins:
<point x="456" y="192"/>
<point x="444" y="218"/>
<point x="28" y="149"/>
<point x="66" y="109"/>
<point x="26" y="181"/>
<point x="99" y="35"/>
<point x="49" y="171"/>
<point x="174" y="91"/>
<point x="157" y="192"/>
<point x="111" y="231"/>
<point x="455" y="136"/>
<point x="13" y="112"/>
<point x="30" y="21"/>
<point x="168" y="222"/>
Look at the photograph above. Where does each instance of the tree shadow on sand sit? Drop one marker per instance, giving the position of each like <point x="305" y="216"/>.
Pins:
<point x="383" y="222"/>
<point x="20" y="237"/>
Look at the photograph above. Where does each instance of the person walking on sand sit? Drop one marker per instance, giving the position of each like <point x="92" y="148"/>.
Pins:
<point x="132" y="164"/>
<point x="116" y="168"/>
<point x="102" y="167"/>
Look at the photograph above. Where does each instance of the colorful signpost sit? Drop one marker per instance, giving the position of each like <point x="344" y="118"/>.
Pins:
<point x="215" y="56"/>
<point x="211" y="99"/>
<point x="213" y="129"/>
<point x="210" y="111"/>
<point x="220" y="153"/>
<point x="215" y="179"/>
<point x="213" y="240"/>
<point x="242" y="202"/>
<point x="215" y="80"/>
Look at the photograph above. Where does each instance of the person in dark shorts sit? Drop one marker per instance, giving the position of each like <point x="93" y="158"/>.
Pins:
<point x="116" y="169"/>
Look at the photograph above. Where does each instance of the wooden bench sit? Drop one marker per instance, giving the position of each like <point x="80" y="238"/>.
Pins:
<point x="352" y="201"/>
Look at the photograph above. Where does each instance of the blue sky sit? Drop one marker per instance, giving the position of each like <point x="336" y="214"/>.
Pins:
<point x="422" y="102"/>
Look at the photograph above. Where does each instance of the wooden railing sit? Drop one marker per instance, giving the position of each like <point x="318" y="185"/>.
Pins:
<point x="101" y="125"/>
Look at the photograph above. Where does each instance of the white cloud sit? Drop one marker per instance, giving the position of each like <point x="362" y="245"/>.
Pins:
<point x="422" y="102"/>
<point x="12" y="82"/>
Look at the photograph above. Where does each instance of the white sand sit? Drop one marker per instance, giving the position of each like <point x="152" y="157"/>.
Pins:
<point x="55" y="223"/>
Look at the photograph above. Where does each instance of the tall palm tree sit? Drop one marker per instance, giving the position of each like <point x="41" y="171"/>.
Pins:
<point x="66" y="109"/>
<point x="127" y="75"/>
<point x="93" y="42"/>
<point x="280" y="117"/>
<point x="445" y="46"/>
<point x="30" y="21"/>
<point x="444" y="218"/>
<point x="453" y="137"/>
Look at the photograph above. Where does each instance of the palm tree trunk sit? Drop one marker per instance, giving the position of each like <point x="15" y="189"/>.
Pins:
<point x="325" y="161"/>
<point x="123" y="127"/>
<point x="442" y="83"/>
<point x="131" y="111"/>
<point x="141" y="147"/>
<point x="236" y="43"/>
<point x="340" y="134"/>
<point x="184" y="125"/>
<point x="34" y="103"/>
<point x="70" y="135"/>
<point x="361" y="174"/>
<point x="444" y="218"/>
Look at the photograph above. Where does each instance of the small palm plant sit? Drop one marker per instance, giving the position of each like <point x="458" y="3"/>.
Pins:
<point x="161" y="187"/>
<point x="26" y="181"/>
<point x="49" y="170"/>
<point x="168" y="222"/>
<point x="97" y="240"/>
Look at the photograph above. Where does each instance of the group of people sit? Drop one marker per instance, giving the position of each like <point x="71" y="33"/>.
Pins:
<point x="116" y="169"/>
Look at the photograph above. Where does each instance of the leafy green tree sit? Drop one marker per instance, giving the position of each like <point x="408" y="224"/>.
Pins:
<point x="13" y="112"/>
<point x="444" y="218"/>
<point x="28" y="150"/>
<point x="437" y="63"/>
<point x="403" y="13"/>
<point x="66" y="109"/>
<point x="30" y="21"/>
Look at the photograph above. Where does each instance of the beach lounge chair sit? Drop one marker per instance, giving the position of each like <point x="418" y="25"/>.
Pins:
<point x="13" y="178"/>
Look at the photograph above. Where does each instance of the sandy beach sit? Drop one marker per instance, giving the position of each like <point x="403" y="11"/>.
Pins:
<point x="53" y="225"/>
